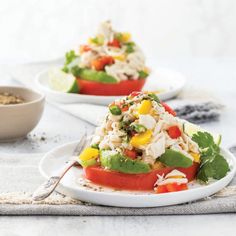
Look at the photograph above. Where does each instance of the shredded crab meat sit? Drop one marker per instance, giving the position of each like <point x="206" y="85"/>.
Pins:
<point x="110" y="134"/>
<point x="174" y="176"/>
<point x="127" y="68"/>
<point x="106" y="30"/>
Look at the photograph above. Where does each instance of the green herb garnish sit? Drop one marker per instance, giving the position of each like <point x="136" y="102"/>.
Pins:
<point x="138" y="128"/>
<point x="95" y="145"/>
<point x="118" y="36"/>
<point x="143" y="74"/>
<point x="154" y="97"/>
<point x="125" y="124"/>
<point x="99" y="40"/>
<point x="70" y="56"/>
<point x="70" y="64"/>
<point x="115" y="110"/>
<point x="213" y="165"/>
<point x="129" y="47"/>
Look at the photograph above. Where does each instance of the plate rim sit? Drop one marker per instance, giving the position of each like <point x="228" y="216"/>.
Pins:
<point x="150" y="195"/>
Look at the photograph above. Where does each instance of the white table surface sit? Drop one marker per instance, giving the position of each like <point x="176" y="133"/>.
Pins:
<point x="216" y="75"/>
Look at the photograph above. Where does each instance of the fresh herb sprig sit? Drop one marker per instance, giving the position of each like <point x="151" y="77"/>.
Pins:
<point x="130" y="47"/>
<point x="70" y="56"/>
<point x="154" y="97"/>
<point x="143" y="74"/>
<point x="213" y="165"/>
<point x="71" y="63"/>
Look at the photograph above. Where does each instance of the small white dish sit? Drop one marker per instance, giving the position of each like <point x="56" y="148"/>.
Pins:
<point x="74" y="185"/>
<point x="168" y="83"/>
<point x="17" y="120"/>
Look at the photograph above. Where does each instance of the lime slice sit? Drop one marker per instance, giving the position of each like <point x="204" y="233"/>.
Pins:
<point x="191" y="129"/>
<point x="63" y="82"/>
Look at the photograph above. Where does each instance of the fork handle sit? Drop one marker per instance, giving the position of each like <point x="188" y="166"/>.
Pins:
<point x="45" y="190"/>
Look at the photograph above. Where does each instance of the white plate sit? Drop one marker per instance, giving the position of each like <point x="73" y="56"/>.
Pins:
<point x="73" y="184"/>
<point x="169" y="83"/>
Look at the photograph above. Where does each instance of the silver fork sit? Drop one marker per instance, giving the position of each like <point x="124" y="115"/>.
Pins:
<point x="46" y="189"/>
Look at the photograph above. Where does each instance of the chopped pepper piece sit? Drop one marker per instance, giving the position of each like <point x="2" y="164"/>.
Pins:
<point x="88" y="153"/>
<point x="196" y="157"/>
<point x="101" y="62"/>
<point x="125" y="37"/>
<point x="84" y="48"/>
<point x="174" y="132"/>
<point x="168" y="109"/>
<point x="114" y="43"/>
<point x="145" y="107"/>
<point x="141" y="139"/>
<point x="130" y="153"/>
<point x="172" y="187"/>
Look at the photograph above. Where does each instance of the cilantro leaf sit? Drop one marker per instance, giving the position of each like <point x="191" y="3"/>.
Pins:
<point x="203" y="139"/>
<point x="204" y="173"/>
<point x="213" y="165"/>
<point x="154" y="97"/>
<point x="142" y="74"/>
<point x="70" y="56"/>
<point x="71" y="63"/>
<point x="119" y="36"/>
<point x="219" y="166"/>
<point x="129" y="47"/>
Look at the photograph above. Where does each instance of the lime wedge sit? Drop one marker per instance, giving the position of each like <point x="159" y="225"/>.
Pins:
<point x="191" y="129"/>
<point x="63" y="82"/>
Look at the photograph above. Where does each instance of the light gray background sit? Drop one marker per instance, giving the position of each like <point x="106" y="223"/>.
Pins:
<point x="43" y="29"/>
<point x="195" y="37"/>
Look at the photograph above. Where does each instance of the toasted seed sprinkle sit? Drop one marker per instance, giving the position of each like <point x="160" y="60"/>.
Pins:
<point x="10" y="99"/>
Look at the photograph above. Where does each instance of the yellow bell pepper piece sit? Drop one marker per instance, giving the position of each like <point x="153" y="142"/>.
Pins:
<point x="98" y="40"/>
<point x="90" y="41"/>
<point x="147" y="70"/>
<point x="126" y="37"/>
<point x="88" y="153"/>
<point x="145" y="107"/>
<point x="141" y="139"/>
<point x="196" y="157"/>
<point x="120" y="57"/>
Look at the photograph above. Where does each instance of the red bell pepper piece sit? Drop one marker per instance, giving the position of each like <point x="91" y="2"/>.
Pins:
<point x="161" y="189"/>
<point x="130" y="153"/>
<point x="101" y="62"/>
<point x="135" y="93"/>
<point x="115" y="43"/>
<point x="174" y="132"/>
<point x="172" y="187"/>
<point x="84" y="48"/>
<point x="168" y="109"/>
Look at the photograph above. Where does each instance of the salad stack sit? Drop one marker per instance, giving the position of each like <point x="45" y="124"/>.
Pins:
<point x="142" y="145"/>
<point x="110" y="63"/>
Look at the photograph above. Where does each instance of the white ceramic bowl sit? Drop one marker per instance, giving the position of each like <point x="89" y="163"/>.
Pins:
<point x="19" y="119"/>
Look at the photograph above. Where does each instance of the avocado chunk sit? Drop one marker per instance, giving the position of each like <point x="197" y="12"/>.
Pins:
<point x="118" y="162"/>
<point x="175" y="159"/>
<point x="97" y="76"/>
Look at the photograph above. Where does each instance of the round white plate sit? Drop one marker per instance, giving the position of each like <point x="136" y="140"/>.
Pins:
<point x="74" y="185"/>
<point x="168" y="83"/>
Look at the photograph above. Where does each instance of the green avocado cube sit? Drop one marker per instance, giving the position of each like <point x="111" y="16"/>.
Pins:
<point x="115" y="161"/>
<point x="174" y="158"/>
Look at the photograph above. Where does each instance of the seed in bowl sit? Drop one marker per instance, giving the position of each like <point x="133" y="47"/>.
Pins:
<point x="10" y="99"/>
